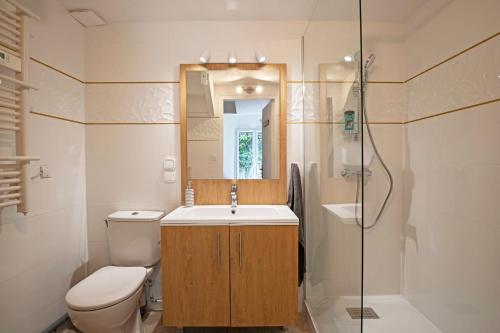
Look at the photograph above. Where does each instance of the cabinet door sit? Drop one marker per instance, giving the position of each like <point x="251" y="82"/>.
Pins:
<point x="195" y="264"/>
<point x="264" y="275"/>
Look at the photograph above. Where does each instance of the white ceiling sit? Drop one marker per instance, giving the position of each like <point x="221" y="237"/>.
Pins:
<point x="241" y="76"/>
<point x="170" y="10"/>
<point x="250" y="106"/>
<point x="371" y="10"/>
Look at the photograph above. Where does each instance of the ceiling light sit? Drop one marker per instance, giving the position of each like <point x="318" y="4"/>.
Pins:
<point x="231" y="5"/>
<point x="232" y="57"/>
<point x="87" y="18"/>
<point x="348" y="58"/>
<point x="239" y="89"/>
<point x="260" y="57"/>
<point x="205" y="56"/>
<point x="258" y="89"/>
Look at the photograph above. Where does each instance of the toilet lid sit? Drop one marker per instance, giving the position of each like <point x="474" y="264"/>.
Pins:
<point x="107" y="286"/>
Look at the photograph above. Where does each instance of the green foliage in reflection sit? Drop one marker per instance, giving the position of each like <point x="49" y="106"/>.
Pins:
<point x="245" y="145"/>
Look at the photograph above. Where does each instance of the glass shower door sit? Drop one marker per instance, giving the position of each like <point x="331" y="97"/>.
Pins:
<point x="333" y="172"/>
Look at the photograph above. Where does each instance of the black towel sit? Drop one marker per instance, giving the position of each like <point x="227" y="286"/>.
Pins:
<point x="296" y="205"/>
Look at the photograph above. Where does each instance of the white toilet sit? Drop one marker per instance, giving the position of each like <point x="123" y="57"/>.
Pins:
<point x="108" y="300"/>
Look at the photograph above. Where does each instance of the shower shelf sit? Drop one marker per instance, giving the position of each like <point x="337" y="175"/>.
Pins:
<point x="14" y="89"/>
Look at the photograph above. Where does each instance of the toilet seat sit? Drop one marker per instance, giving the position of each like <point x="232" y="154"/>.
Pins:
<point x="106" y="287"/>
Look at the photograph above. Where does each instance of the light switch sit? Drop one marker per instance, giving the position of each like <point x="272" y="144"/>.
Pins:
<point x="169" y="170"/>
<point x="169" y="164"/>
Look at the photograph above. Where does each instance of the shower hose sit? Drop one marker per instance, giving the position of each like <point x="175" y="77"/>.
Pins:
<point x="359" y="178"/>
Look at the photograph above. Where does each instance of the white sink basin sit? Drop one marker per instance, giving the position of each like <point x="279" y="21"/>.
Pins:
<point x="345" y="213"/>
<point x="221" y="215"/>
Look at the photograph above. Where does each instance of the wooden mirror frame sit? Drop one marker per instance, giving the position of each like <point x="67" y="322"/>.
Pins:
<point x="250" y="191"/>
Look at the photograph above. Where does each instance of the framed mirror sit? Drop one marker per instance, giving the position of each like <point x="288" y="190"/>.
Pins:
<point x="233" y="130"/>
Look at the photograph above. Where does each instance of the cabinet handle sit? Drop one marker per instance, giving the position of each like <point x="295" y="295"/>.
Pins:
<point x="240" y="238"/>
<point x="218" y="250"/>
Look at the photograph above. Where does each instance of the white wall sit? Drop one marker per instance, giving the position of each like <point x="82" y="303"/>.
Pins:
<point x="326" y="43"/>
<point x="127" y="157"/>
<point x="452" y="167"/>
<point x="44" y="253"/>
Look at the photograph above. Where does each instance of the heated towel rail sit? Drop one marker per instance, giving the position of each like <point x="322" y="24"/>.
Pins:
<point x="14" y="88"/>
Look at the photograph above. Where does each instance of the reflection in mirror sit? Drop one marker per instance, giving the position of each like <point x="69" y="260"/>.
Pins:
<point x="340" y="98"/>
<point x="233" y="124"/>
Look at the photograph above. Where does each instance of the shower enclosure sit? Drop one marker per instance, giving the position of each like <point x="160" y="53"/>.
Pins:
<point x="401" y="166"/>
<point x="333" y="167"/>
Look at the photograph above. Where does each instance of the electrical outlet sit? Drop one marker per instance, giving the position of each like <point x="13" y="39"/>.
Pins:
<point x="44" y="171"/>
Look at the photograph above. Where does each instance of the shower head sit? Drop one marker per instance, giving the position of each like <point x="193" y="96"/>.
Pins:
<point x="369" y="61"/>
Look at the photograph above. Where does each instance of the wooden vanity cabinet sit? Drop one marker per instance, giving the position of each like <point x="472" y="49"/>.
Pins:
<point x="264" y="275"/>
<point x="238" y="276"/>
<point x="195" y="266"/>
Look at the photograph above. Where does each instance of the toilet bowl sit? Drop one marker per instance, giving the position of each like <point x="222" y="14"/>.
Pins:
<point x="108" y="300"/>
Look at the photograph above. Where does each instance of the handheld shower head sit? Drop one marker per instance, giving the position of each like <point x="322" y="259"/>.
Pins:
<point x="369" y="61"/>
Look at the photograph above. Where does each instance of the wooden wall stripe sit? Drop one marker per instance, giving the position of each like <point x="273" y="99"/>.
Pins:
<point x="131" y="82"/>
<point x="98" y="123"/>
<point x="216" y="66"/>
<point x="453" y="56"/>
<point x="468" y="107"/>
<point x="341" y="123"/>
<point x="57" y="117"/>
<point x="288" y="122"/>
<point x="335" y="81"/>
<point x="131" y="123"/>
<point x="57" y="70"/>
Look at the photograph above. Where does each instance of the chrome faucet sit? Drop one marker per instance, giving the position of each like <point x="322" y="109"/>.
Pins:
<point x="234" y="198"/>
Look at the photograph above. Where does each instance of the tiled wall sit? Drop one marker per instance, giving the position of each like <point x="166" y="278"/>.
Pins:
<point x="132" y="73"/>
<point x="334" y="250"/>
<point x="104" y="139"/>
<point x="448" y="163"/>
<point x="452" y="166"/>
<point x="43" y="254"/>
<point x="132" y="103"/>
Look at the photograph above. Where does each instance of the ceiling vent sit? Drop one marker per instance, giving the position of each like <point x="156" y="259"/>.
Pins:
<point x="87" y="17"/>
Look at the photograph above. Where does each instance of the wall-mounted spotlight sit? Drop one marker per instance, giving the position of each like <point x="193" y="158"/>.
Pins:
<point x="258" y="89"/>
<point x="261" y="58"/>
<point x="239" y="89"/>
<point x="348" y="58"/>
<point x="232" y="57"/>
<point x="205" y="56"/>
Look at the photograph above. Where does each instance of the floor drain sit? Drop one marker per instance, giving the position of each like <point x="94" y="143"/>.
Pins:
<point x="367" y="313"/>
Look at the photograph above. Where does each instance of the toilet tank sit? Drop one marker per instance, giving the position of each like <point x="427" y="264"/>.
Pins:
<point x="134" y="237"/>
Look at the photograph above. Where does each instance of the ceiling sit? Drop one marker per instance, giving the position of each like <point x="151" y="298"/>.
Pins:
<point x="250" y="106"/>
<point x="244" y="77"/>
<point x="233" y="10"/>
<point x="371" y="10"/>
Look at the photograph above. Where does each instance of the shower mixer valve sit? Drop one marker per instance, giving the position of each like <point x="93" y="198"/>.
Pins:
<point x="348" y="173"/>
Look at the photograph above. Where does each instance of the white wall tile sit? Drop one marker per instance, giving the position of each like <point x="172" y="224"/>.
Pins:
<point x="466" y="80"/>
<point x="129" y="160"/>
<point x="44" y="253"/>
<point x="65" y="159"/>
<point x="153" y="51"/>
<point x="139" y="102"/>
<point x="57" y="38"/>
<point x="441" y="29"/>
<point x="58" y="95"/>
<point x="452" y="176"/>
<point x="294" y="102"/>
